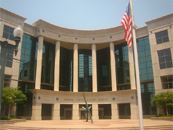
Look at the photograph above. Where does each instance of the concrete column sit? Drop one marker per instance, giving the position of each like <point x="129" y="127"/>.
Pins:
<point x="113" y="67"/>
<point x="114" y="108"/>
<point x="132" y="69"/>
<point x="75" y="115"/>
<point x="57" y="66"/>
<point x="36" y="111"/>
<point x="56" y="111"/>
<point x="75" y="68"/>
<point x="134" y="110"/>
<point x="39" y="62"/>
<point x="1" y="31"/>
<point x="94" y="68"/>
<point x="95" y="112"/>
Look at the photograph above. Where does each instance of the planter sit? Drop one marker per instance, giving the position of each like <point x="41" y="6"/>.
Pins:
<point x="12" y="121"/>
<point x="162" y="118"/>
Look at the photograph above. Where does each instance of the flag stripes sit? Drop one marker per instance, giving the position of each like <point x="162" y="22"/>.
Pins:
<point x="126" y="22"/>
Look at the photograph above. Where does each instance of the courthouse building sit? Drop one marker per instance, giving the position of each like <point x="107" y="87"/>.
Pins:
<point x="55" y="66"/>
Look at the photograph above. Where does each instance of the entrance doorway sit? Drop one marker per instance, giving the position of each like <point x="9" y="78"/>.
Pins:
<point x="46" y="112"/>
<point x="82" y="111"/>
<point x="124" y="111"/>
<point x="104" y="111"/>
<point x="65" y="111"/>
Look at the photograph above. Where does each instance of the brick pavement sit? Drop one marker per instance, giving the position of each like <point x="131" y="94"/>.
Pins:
<point x="121" y="124"/>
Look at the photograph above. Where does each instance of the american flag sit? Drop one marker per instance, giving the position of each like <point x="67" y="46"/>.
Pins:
<point x="126" y="22"/>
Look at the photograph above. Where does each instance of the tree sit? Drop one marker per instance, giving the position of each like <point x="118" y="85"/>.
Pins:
<point x="11" y="96"/>
<point x="163" y="100"/>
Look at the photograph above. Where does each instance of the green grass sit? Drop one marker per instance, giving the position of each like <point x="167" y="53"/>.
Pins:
<point x="12" y="117"/>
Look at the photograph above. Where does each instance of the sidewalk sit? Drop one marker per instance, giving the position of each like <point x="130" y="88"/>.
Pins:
<point x="121" y="124"/>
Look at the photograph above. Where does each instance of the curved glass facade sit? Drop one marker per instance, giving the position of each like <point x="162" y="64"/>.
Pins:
<point x="103" y="70"/>
<point x="122" y="66"/>
<point x="66" y="70"/>
<point x="48" y="62"/>
<point x="84" y="70"/>
<point x="28" y="60"/>
<point x="144" y="58"/>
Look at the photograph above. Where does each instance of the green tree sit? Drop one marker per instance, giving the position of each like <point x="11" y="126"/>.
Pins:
<point x="163" y="100"/>
<point x="11" y="96"/>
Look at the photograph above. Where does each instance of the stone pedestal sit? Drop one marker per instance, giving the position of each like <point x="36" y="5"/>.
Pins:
<point x="114" y="108"/>
<point x="134" y="111"/>
<point x="95" y="112"/>
<point x="36" y="111"/>
<point x="75" y="115"/>
<point x="56" y="111"/>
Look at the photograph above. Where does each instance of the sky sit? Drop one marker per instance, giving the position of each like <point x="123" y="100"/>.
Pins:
<point x="87" y="14"/>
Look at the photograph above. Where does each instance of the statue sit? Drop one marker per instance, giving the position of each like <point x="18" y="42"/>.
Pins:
<point x="87" y="110"/>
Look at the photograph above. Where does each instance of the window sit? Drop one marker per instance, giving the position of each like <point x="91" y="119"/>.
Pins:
<point x="9" y="57"/>
<point x="25" y="73"/>
<point x="165" y="59"/>
<point x="8" y="33"/>
<point x="162" y="37"/>
<point x="144" y="57"/>
<point x="167" y="82"/>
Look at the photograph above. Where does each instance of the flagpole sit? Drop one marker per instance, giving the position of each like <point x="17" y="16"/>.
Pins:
<point x="137" y="71"/>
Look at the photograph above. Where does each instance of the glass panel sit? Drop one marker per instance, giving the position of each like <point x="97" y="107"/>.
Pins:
<point x="169" y="64"/>
<point x="167" y="51"/>
<point x="158" y="34"/>
<point x="6" y="29"/>
<point x="162" y="66"/>
<point x="160" y="53"/>
<point x="159" y="40"/>
<point x="5" y="35"/>
<point x="165" y="39"/>
<point x="161" y="59"/>
<point x="168" y="58"/>
<point x="165" y="33"/>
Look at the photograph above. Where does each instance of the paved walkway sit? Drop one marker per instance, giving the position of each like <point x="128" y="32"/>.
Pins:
<point x="121" y="124"/>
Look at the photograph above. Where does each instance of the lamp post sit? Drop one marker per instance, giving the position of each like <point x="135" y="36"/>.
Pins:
<point x="18" y="32"/>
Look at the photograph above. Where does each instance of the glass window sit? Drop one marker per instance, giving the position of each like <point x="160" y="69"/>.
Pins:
<point x="9" y="57"/>
<point x="167" y="82"/>
<point x="8" y="32"/>
<point x="162" y="37"/>
<point x="144" y="57"/>
<point x="165" y="59"/>
<point x="27" y="68"/>
<point x="103" y="70"/>
<point x="66" y="69"/>
<point x="85" y="70"/>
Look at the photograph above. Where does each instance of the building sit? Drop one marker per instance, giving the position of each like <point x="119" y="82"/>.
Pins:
<point x="57" y="65"/>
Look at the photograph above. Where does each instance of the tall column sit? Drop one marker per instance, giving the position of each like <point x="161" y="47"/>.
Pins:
<point x="75" y="115"/>
<point x="57" y="66"/>
<point x="95" y="112"/>
<point x="36" y="107"/>
<point x="131" y="67"/>
<point x="114" y="108"/>
<point x="39" y="62"/>
<point x="36" y="111"/>
<point x="56" y="111"/>
<point x="75" y="68"/>
<point x="94" y="68"/>
<point x="113" y="66"/>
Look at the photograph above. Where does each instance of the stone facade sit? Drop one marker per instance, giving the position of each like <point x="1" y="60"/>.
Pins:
<point x="92" y="40"/>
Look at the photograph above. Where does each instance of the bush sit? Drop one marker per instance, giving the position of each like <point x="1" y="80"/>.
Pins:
<point x="15" y="117"/>
<point x="4" y="118"/>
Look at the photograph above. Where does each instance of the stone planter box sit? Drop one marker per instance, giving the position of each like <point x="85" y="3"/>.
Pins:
<point x="162" y="118"/>
<point x="12" y="121"/>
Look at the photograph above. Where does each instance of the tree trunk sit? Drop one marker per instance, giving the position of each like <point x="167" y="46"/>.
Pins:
<point x="167" y="110"/>
<point x="9" y="111"/>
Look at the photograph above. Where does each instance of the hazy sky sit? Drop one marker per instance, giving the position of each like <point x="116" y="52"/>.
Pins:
<point x="87" y="14"/>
